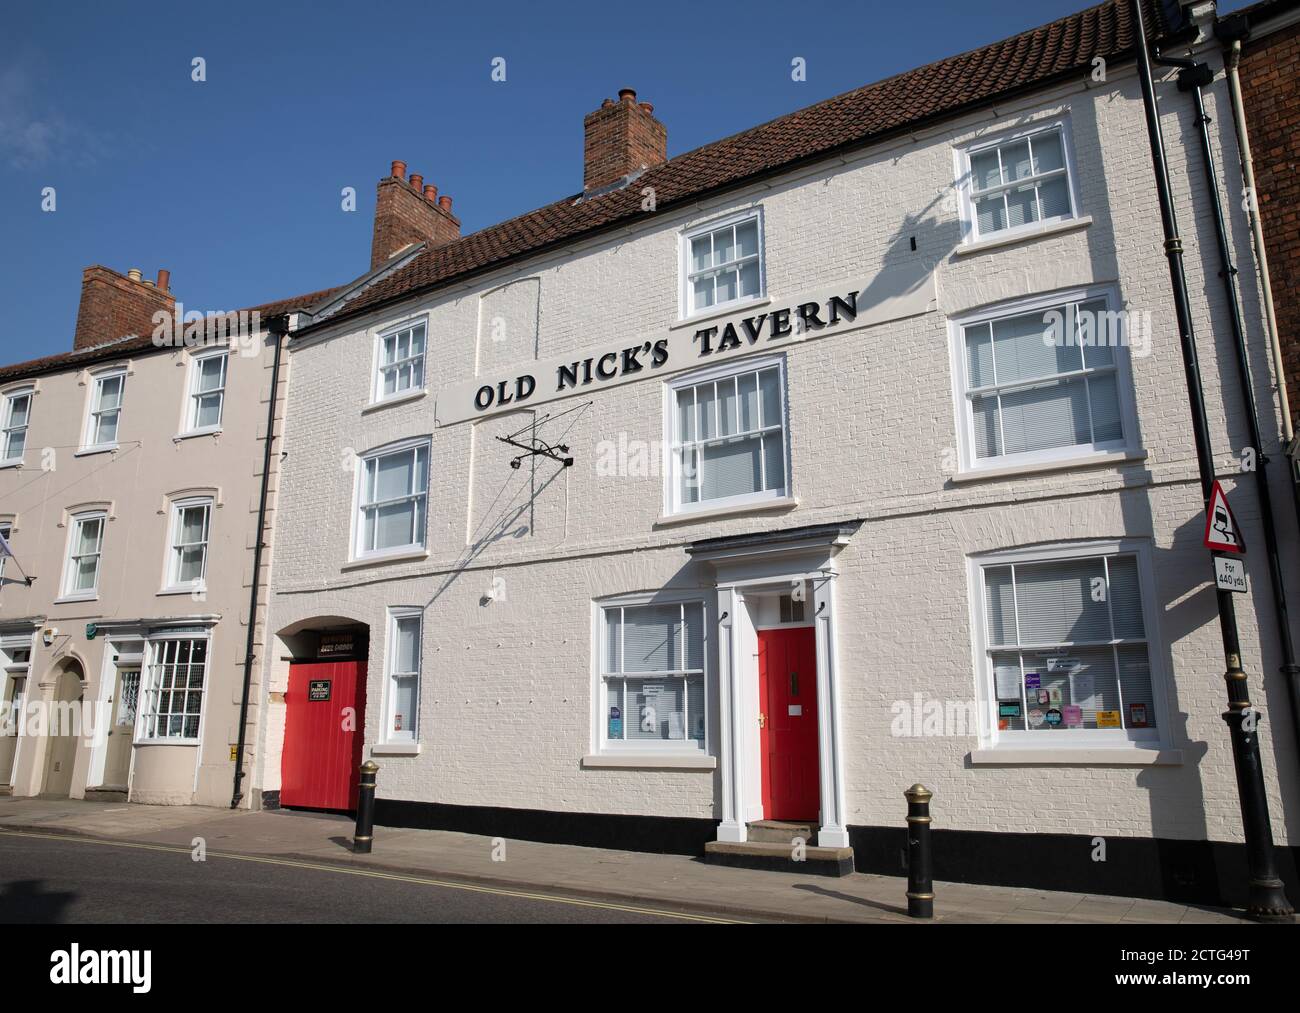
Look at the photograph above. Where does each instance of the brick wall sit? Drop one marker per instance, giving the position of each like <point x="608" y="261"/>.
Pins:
<point x="406" y="213"/>
<point x="1270" y="78"/>
<point x="114" y="306"/>
<point x="619" y="138"/>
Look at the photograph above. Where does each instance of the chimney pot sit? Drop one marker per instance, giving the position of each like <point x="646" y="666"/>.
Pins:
<point x="408" y="211"/>
<point x="607" y="103"/>
<point x="135" y="274"/>
<point x="417" y="182"/>
<point x="626" y="95"/>
<point x="164" y="279"/>
<point x="399" y="169"/>
<point x="647" y="107"/>
<point x="444" y="202"/>
<point x="430" y="192"/>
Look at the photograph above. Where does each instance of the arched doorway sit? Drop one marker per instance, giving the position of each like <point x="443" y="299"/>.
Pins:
<point x="325" y="710"/>
<point x="64" y="730"/>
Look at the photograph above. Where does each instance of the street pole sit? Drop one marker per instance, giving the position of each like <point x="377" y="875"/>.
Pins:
<point x="1266" y="894"/>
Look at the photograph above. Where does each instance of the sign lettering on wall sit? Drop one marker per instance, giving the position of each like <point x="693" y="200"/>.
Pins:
<point x="904" y="291"/>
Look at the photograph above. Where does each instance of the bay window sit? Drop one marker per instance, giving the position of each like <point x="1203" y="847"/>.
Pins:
<point x="173" y="705"/>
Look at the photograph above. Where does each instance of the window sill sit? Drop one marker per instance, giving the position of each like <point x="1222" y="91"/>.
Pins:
<point x="1094" y="459"/>
<point x="16" y="462"/>
<point x="166" y="742"/>
<point x="718" y="312"/>
<point x="1022" y="236"/>
<point x="396" y="399"/>
<point x="88" y="451"/>
<point x="75" y="599"/>
<point x="651" y="761"/>
<point x="181" y="590"/>
<point x="707" y="514"/>
<point x="1100" y="756"/>
<point x="212" y="431"/>
<point x="381" y="559"/>
<point x="395" y="749"/>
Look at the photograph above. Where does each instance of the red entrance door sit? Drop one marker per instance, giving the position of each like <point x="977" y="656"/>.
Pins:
<point x="324" y="724"/>
<point x="787" y="704"/>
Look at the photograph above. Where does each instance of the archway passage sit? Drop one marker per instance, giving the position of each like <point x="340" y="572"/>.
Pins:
<point x="325" y="710"/>
<point x="64" y="729"/>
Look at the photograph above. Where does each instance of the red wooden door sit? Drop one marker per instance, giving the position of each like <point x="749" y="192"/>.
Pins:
<point x="324" y="724"/>
<point x="787" y="703"/>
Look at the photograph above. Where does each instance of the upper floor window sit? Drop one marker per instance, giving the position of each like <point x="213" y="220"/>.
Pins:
<point x="85" y="546"/>
<point x="15" y="414"/>
<point x="652" y="676"/>
<point x="188" y="556"/>
<point x="728" y="438"/>
<point x="207" y="391"/>
<point x="391" y="502"/>
<point x="403" y="663"/>
<point x="401" y="362"/>
<point x="105" y="409"/>
<point x="1065" y="642"/>
<point x="1043" y="380"/>
<point x="1018" y="183"/>
<point x="6" y="547"/>
<point x="723" y="264"/>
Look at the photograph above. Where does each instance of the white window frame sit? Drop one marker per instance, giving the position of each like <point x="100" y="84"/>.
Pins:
<point x="7" y="428"/>
<point x="601" y="743"/>
<point x="68" y="591"/>
<point x="1126" y="738"/>
<point x="147" y="700"/>
<point x="377" y="394"/>
<point x="673" y="505"/>
<point x="965" y="182"/>
<point x="1083" y="453"/>
<point x="359" y="552"/>
<point x="387" y="734"/>
<point x="170" y="581"/>
<point x="6" y="529"/>
<point x="194" y="396"/>
<point x="686" y="307"/>
<point x="93" y="410"/>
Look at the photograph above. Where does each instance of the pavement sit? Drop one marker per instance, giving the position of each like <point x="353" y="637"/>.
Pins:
<point x="661" y="882"/>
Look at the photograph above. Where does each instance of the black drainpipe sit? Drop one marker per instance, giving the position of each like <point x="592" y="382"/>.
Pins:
<point x="1266" y="894"/>
<point x="1192" y="77"/>
<point x="276" y="330"/>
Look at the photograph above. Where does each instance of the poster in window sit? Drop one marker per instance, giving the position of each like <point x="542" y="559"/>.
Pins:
<point x="1009" y="710"/>
<point x="1073" y="716"/>
<point x="1033" y="680"/>
<point x="1108" y="719"/>
<point x="1053" y="718"/>
<point x="1035" y="718"/>
<point x="615" y="723"/>
<point x="1008" y="682"/>
<point x="1137" y="715"/>
<point x="676" y="725"/>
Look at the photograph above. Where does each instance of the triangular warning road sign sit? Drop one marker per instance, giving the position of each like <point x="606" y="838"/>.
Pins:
<point x="1222" y="532"/>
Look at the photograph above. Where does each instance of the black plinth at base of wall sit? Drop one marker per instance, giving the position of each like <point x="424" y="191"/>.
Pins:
<point x="270" y="800"/>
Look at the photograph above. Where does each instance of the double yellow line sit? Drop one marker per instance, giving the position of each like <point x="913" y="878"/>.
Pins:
<point x="395" y="877"/>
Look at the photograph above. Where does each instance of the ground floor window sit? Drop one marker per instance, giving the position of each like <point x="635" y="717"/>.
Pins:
<point x="403" y="663"/>
<point x="174" y="695"/>
<point x="1066" y="646"/>
<point x="652" y="676"/>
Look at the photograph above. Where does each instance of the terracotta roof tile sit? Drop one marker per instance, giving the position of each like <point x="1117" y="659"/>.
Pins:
<point x="1032" y="59"/>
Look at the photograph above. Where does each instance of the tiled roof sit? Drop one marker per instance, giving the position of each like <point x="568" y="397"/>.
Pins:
<point x="866" y="115"/>
<point x="79" y="357"/>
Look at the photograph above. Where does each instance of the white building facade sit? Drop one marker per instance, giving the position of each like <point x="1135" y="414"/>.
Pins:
<point x="881" y="473"/>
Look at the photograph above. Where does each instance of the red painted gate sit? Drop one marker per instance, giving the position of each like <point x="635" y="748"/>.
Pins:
<point x="322" y="741"/>
<point x="787" y="704"/>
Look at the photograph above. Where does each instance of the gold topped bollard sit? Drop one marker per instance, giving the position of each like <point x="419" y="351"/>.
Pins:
<point x="364" y="836"/>
<point x="920" y="869"/>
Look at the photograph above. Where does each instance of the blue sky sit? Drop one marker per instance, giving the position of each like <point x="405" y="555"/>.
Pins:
<point x="233" y="184"/>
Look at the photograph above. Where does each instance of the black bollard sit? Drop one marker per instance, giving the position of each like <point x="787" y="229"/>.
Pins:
<point x="920" y="871"/>
<point x="364" y="837"/>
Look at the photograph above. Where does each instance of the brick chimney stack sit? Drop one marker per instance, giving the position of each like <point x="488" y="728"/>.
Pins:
<point x="409" y="212"/>
<point x="619" y="138"/>
<point x="117" y="305"/>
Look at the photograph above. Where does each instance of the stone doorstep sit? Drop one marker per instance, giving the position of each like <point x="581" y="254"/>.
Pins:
<point x="781" y="832"/>
<point x="776" y="857"/>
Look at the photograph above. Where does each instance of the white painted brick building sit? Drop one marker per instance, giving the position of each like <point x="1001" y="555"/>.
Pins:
<point x="882" y="518"/>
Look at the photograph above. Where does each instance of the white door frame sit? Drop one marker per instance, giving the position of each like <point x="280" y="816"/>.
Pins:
<point x="755" y="563"/>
